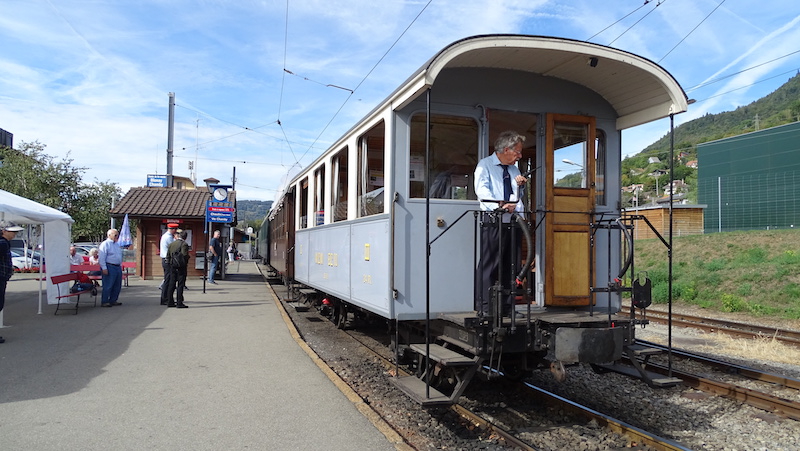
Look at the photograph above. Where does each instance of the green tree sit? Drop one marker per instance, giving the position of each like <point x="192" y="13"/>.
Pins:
<point x="29" y="172"/>
<point x="91" y="211"/>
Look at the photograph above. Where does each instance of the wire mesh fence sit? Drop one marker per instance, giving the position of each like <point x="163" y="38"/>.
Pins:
<point x="751" y="202"/>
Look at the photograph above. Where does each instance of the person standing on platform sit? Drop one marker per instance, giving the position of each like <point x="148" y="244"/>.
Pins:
<point x="110" y="258"/>
<point x="9" y="231"/>
<point x="215" y="247"/>
<point x="166" y="239"/>
<point x="178" y="265"/>
<point x="231" y="251"/>
<point x="497" y="179"/>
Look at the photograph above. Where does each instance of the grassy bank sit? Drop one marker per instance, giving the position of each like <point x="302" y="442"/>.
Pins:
<point x="755" y="272"/>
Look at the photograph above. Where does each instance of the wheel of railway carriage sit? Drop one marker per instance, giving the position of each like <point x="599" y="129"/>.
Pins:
<point x="558" y="370"/>
<point x="599" y="369"/>
<point x="445" y="379"/>
<point x="340" y="317"/>
<point x="513" y="371"/>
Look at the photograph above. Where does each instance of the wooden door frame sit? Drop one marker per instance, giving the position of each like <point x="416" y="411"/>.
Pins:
<point x="570" y="224"/>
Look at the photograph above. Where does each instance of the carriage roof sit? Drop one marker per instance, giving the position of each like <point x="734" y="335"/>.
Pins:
<point x="639" y="90"/>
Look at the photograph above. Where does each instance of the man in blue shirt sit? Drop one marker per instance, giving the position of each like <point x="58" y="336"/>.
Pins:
<point x="215" y="249"/>
<point x="497" y="185"/>
<point x="110" y="258"/>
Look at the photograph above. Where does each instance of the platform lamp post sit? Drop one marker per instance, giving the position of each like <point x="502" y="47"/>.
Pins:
<point x="583" y="175"/>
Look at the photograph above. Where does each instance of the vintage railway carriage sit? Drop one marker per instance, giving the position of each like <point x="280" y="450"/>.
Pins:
<point x="383" y="222"/>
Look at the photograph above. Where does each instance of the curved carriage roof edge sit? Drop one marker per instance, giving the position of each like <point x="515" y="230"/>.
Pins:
<point x="639" y="89"/>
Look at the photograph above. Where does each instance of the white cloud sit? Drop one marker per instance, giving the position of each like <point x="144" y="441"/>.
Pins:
<point x="91" y="78"/>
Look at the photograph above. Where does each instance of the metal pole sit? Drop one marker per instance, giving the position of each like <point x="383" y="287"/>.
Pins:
<point x="170" y="137"/>
<point x="719" y="204"/>
<point x="427" y="244"/>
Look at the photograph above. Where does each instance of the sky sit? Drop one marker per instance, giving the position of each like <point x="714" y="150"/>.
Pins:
<point x="264" y="87"/>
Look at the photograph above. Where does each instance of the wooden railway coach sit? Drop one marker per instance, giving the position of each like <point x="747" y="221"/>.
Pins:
<point x="383" y="222"/>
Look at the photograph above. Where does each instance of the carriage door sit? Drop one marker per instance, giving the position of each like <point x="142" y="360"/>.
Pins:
<point x="569" y="202"/>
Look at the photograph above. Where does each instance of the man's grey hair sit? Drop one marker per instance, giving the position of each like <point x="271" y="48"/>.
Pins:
<point x="111" y="232"/>
<point x="507" y="139"/>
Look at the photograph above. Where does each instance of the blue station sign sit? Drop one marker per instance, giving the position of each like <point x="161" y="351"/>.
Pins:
<point x="219" y="212"/>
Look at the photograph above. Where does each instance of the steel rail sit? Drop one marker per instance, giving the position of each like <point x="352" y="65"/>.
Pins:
<point x="731" y="368"/>
<point x="733" y="328"/>
<point x="765" y="401"/>
<point x="641" y="436"/>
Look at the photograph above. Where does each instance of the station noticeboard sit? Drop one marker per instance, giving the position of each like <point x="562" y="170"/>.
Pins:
<point x="219" y="212"/>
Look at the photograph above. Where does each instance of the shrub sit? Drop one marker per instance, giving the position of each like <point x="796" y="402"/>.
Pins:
<point x="716" y="264"/>
<point x="745" y="289"/>
<point x="752" y="256"/>
<point x="792" y="291"/>
<point x="732" y="303"/>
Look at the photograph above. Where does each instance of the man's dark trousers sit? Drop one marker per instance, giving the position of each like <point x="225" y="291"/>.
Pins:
<point x="167" y="277"/>
<point x="487" y="271"/>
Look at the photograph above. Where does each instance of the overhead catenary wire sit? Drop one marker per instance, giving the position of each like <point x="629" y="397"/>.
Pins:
<point x="618" y="21"/>
<point x="659" y="3"/>
<point x="692" y="31"/>
<point x="365" y="78"/>
<point x="717" y="80"/>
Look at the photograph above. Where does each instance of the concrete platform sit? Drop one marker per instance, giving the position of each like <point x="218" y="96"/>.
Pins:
<point x="224" y="374"/>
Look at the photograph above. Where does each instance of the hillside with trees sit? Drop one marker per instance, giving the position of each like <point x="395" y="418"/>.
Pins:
<point x="252" y="212"/>
<point x="778" y="108"/>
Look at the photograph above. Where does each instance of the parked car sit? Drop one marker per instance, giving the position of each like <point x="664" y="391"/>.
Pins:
<point x="21" y="262"/>
<point x="22" y="252"/>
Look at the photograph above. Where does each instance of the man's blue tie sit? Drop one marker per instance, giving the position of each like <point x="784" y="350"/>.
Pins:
<point x="506" y="183"/>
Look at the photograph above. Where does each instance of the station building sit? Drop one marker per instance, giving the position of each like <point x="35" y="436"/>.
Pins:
<point x="152" y="208"/>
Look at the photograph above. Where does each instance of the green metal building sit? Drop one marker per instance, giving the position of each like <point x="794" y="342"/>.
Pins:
<point x="751" y="181"/>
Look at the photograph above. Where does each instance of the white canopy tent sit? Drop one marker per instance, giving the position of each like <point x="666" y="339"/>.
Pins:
<point x="55" y="235"/>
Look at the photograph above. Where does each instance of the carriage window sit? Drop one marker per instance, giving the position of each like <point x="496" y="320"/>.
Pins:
<point x="319" y="196"/>
<point x="570" y="140"/>
<point x="339" y="186"/>
<point x="600" y="168"/>
<point x="370" y="171"/>
<point x="304" y="203"/>
<point x="453" y="156"/>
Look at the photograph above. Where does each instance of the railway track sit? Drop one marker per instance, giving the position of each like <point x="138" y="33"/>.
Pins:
<point x="761" y="399"/>
<point x="634" y="434"/>
<point x="731" y="328"/>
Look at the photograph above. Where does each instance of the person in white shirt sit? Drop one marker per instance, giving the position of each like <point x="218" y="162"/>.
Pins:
<point x="74" y="257"/>
<point x="166" y="239"/>
<point x="497" y="185"/>
<point x="110" y="259"/>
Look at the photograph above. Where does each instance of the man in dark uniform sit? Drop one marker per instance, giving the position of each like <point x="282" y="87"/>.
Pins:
<point x="9" y="231"/>
<point x="178" y="269"/>
<point x="166" y="239"/>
